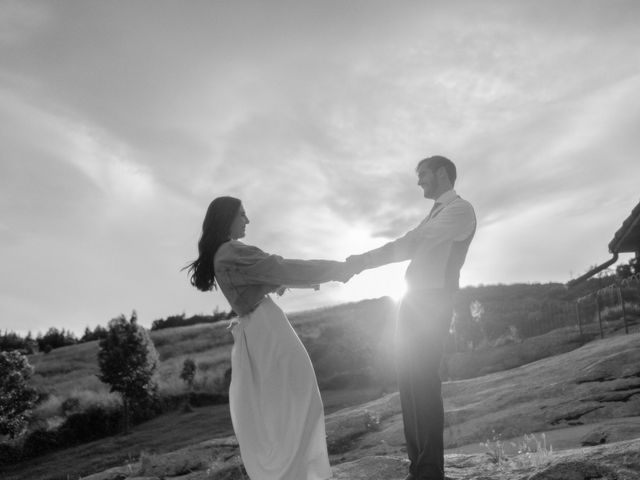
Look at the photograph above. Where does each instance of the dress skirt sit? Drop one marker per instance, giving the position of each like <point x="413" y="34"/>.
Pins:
<point x="275" y="404"/>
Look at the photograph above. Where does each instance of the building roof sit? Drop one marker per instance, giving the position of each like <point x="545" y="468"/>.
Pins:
<point x="627" y="238"/>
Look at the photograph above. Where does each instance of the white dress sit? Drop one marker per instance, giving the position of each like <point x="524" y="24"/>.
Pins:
<point x="276" y="408"/>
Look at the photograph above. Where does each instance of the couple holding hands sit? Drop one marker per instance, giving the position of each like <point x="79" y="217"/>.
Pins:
<point x="275" y="404"/>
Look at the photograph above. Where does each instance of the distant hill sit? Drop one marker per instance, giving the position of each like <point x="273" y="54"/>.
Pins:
<point x="352" y="338"/>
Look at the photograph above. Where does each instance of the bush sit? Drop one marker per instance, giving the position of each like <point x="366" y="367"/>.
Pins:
<point x="93" y="423"/>
<point x="97" y="421"/>
<point x="188" y="372"/>
<point x="70" y="405"/>
<point x="201" y="399"/>
<point x="145" y="408"/>
<point x="39" y="442"/>
<point x="9" y="454"/>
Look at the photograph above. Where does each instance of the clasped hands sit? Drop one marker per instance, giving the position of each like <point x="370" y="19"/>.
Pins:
<point x="353" y="265"/>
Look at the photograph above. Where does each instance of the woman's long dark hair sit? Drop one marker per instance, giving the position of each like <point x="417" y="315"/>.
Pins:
<point x="215" y="231"/>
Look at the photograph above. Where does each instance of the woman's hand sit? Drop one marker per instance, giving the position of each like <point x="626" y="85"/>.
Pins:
<point x="357" y="263"/>
<point x="347" y="270"/>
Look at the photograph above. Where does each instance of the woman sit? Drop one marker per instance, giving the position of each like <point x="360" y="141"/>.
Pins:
<point x="275" y="404"/>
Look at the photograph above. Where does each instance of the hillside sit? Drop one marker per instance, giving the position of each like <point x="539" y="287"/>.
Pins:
<point x="596" y="385"/>
<point x="351" y="345"/>
<point x="351" y="348"/>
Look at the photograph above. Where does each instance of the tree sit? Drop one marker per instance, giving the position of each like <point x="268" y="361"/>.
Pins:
<point x="55" y="338"/>
<point x="17" y="398"/>
<point x="188" y="372"/>
<point x="634" y="263"/>
<point x="128" y="360"/>
<point x="623" y="271"/>
<point x="97" y="334"/>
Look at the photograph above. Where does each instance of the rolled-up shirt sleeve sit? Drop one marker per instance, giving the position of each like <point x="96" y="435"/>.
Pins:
<point x="251" y="266"/>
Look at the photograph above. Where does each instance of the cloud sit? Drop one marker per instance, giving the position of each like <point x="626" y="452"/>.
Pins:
<point x="20" y="20"/>
<point x="121" y="124"/>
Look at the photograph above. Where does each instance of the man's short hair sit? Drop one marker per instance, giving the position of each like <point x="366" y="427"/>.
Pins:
<point x="437" y="161"/>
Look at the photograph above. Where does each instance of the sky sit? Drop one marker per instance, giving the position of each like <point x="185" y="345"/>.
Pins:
<point x="121" y="121"/>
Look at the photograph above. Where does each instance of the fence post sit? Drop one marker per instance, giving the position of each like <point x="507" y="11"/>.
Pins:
<point x="578" y="316"/>
<point x="624" y="312"/>
<point x="599" y="315"/>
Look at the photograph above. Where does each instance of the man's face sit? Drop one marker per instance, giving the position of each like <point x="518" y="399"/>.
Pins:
<point x="428" y="181"/>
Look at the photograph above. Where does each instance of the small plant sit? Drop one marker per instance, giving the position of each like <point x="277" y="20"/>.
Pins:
<point x="188" y="372"/>
<point x="531" y="451"/>
<point x="371" y="421"/>
<point x="132" y="468"/>
<point x="495" y="448"/>
<point x="535" y="450"/>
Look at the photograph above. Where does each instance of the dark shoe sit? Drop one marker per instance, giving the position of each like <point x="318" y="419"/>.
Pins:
<point x="413" y="477"/>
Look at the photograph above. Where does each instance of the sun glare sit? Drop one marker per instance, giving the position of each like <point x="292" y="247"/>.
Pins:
<point x="385" y="281"/>
<point x="397" y="290"/>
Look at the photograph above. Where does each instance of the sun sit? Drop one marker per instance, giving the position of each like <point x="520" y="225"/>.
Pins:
<point x="384" y="281"/>
<point x="397" y="290"/>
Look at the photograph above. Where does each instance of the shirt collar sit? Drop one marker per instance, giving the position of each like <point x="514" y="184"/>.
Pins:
<point x="447" y="197"/>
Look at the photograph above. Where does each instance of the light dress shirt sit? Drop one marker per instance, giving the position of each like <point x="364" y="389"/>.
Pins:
<point x="437" y="247"/>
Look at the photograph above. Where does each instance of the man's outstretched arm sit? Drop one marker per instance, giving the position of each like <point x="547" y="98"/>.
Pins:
<point x="398" y="250"/>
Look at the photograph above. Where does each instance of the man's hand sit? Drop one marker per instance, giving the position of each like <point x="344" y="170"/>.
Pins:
<point x="344" y="273"/>
<point x="357" y="263"/>
<point x="347" y="270"/>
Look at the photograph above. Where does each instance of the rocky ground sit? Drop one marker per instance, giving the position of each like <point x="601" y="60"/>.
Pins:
<point x="587" y="399"/>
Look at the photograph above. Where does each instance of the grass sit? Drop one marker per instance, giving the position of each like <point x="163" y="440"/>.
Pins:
<point x="530" y="451"/>
<point x="168" y="432"/>
<point x="71" y="372"/>
<point x="163" y="434"/>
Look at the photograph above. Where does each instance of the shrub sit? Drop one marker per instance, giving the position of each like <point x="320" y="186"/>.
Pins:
<point x="39" y="442"/>
<point x="188" y="372"/>
<point x="145" y="408"/>
<point x="70" y="405"/>
<point x="95" y="422"/>
<point x="9" y="454"/>
<point x="16" y="397"/>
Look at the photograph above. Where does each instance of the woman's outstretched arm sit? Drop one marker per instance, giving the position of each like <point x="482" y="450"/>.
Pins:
<point x="250" y="265"/>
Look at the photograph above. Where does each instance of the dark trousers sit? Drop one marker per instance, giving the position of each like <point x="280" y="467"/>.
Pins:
<point x="423" y="323"/>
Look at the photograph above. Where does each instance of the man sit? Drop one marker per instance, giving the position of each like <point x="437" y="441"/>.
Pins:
<point x="437" y="248"/>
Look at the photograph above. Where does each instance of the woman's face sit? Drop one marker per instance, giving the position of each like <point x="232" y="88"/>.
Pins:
<point x="239" y="224"/>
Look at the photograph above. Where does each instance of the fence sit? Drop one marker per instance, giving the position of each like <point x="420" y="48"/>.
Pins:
<point x="612" y="308"/>
<point x="550" y="317"/>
